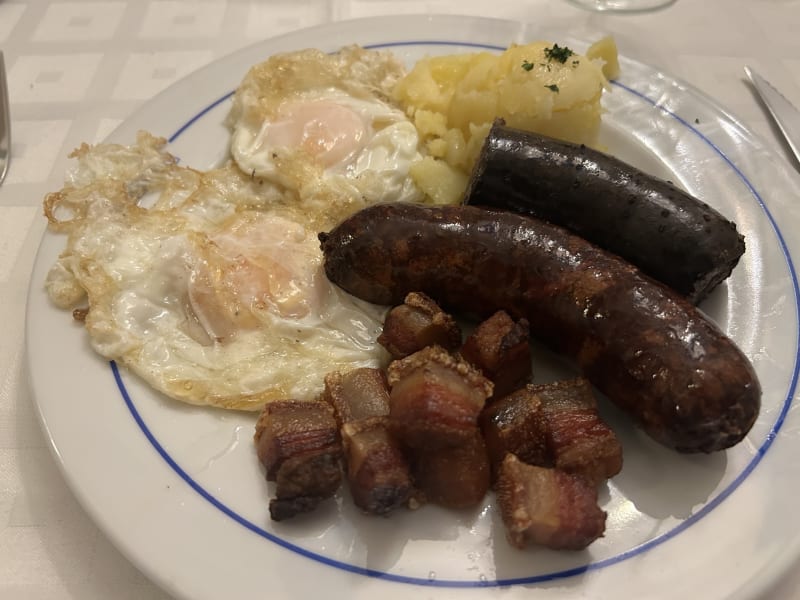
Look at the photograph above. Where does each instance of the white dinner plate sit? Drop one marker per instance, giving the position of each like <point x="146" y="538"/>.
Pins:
<point x="179" y="489"/>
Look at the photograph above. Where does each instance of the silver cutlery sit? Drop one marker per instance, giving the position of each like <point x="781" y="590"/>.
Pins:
<point x="784" y="113"/>
<point x="5" y="123"/>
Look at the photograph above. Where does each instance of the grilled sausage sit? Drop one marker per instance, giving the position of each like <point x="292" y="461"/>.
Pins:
<point x="669" y="234"/>
<point x="646" y="347"/>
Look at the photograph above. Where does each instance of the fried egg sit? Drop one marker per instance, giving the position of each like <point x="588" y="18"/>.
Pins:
<point x="322" y="129"/>
<point x="209" y="285"/>
<point x="213" y="290"/>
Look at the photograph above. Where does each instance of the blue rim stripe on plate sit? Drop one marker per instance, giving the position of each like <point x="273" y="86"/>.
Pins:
<point x="199" y="116"/>
<point x="707" y="508"/>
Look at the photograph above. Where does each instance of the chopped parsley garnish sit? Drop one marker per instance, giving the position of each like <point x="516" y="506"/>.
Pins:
<point x="552" y="88"/>
<point x="527" y="65"/>
<point x="558" y="53"/>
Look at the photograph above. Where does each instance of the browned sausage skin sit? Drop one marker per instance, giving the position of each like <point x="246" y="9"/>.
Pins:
<point x="645" y="347"/>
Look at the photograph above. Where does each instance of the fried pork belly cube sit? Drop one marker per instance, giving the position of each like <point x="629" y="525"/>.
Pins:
<point x="547" y="507"/>
<point x="578" y="439"/>
<point x="377" y="469"/>
<point x="289" y="428"/>
<point x="298" y="444"/>
<point x="500" y="348"/>
<point x="515" y="424"/>
<point x="416" y="324"/>
<point x="455" y="476"/>
<point x="435" y="399"/>
<point x="358" y="394"/>
<point x="303" y="481"/>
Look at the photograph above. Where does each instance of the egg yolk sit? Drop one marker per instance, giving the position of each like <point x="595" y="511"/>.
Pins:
<point x="259" y="265"/>
<point x="329" y="132"/>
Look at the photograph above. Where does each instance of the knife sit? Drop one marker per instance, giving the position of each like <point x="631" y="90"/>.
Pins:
<point x="786" y="116"/>
<point x="5" y="122"/>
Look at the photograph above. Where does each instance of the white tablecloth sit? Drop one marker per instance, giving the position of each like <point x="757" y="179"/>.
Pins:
<point x="76" y="69"/>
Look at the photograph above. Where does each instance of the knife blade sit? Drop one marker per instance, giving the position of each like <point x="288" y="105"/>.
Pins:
<point x="784" y="113"/>
<point x="5" y="122"/>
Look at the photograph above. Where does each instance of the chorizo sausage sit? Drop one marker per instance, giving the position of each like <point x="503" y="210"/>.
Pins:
<point x="648" y="349"/>
<point x="669" y="234"/>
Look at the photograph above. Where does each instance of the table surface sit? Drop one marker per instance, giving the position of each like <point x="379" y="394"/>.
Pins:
<point x="77" y="69"/>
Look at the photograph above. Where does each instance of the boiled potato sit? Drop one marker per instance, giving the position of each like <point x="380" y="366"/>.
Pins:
<point x="605" y="49"/>
<point x="540" y="87"/>
<point x="440" y="182"/>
